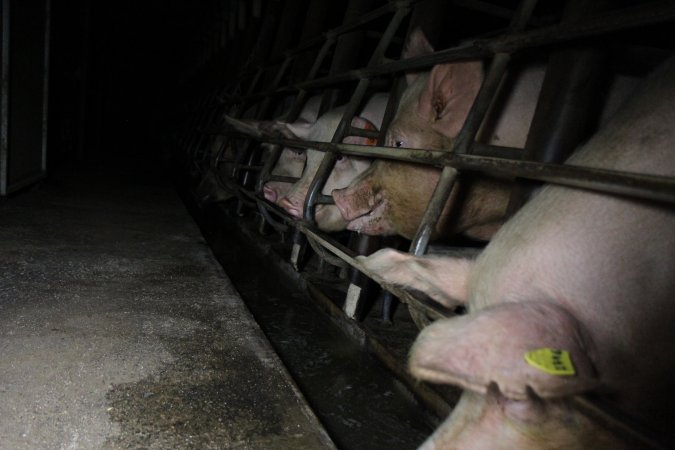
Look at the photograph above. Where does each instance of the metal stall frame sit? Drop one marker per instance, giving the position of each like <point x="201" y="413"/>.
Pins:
<point x="465" y="154"/>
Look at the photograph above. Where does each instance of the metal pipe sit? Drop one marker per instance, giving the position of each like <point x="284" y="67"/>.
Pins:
<point x="462" y="146"/>
<point x="329" y="159"/>
<point x="648" y="187"/>
<point x="627" y="18"/>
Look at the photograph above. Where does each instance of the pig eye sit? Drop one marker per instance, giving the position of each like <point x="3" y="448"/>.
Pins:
<point x="339" y="157"/>
<point x="398" y="144"/>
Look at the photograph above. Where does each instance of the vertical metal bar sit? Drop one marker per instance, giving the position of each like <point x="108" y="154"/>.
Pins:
<point x="329" y="158"/>
<point x="4" y="99"/>
<point x="359" y="285"/>
<point x="467" y="135"/>
<point x="567" y="105"/>
<point x="462" y="144"/>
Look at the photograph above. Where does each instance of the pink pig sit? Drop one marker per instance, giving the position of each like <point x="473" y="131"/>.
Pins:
<point x="291" y="161"/>
<point x="347" y="168"/>
<point x="574" y="274"/>
<point x="391" y="196"/>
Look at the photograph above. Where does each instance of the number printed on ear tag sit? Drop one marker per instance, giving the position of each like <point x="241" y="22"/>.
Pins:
<point x="551" y="360"/>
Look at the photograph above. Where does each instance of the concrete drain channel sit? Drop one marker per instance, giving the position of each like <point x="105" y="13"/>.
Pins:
<point x="352" y="374"/>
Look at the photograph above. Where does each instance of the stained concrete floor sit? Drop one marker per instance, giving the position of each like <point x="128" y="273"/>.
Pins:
<point x="118" y="329"/>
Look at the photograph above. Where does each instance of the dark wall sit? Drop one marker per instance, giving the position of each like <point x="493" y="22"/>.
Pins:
<point x="116" y="68"/>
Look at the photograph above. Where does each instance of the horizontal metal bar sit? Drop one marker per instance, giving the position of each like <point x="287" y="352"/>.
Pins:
<point x="617" y="422"/>
<point x="651" y="13"/>
<point x="325" y="200"/>
<point x="361" y="132"/>
<point x="650" y="187"/>
<point x="621" y="20"/>
<point x="611" y="418"/>
<point x="431" y="308"/>
<point x="283" y="179"/>
<point x="332" y="34"/>
<point x="251" y="168"/>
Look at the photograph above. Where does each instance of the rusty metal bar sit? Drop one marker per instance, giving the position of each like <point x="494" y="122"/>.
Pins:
<point x="618" y="423"/>
<point x="648" y="187"/>
<point x="433" y="309"/>
<point x="612" y="419"/>
<point x="624" y="19"/>
<point x="346" y="28"/>
<point x="467" y="135"/>
<point x="329" y="159"/>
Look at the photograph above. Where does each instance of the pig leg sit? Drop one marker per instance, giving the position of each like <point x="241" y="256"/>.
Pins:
<point x="443" y="279"/>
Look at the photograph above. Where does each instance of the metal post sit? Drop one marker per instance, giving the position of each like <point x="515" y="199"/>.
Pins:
<point x="467" y="135"/>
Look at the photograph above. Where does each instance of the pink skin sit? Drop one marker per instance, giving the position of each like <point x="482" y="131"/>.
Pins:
<point x="391" y="197"/>
<point x="347" y="168"/>
<point x="291" y="161"/>
<point x="577" y="270"/>
<point x="290" y="164"/>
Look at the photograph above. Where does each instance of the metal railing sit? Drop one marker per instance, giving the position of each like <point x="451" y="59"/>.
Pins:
<point x="465" y="154"/>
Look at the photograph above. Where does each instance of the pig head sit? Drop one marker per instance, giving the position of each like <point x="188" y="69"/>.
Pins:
<point x="328" y="218"/>
<point x="291" y="162"/>
<point x="573" y="295"/>
<point x="391" y="197"/>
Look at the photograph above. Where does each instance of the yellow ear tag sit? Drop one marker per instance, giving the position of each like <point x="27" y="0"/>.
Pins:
<point x="551" y="360"/>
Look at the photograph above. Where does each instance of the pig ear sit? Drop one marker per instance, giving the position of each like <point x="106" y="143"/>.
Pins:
<point x="514" y="346"/>
<point x="449" y="95"/>
<point x="364" y="124"/>
<point x="417" y="45"/>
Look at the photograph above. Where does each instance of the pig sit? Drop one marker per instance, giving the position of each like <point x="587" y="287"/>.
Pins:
<point x="574" y="294"/>
<point x="328" y="218"/>
<point x="391" y="196"/>
<point x="291" y="161"/>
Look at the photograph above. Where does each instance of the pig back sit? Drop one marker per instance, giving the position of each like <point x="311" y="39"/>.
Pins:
<point x="608" y="260"/>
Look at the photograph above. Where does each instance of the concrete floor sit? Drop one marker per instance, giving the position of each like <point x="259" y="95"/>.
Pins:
<point x="118" y="329"/>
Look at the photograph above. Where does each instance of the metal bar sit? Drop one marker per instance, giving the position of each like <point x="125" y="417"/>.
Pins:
<point x="649" y="187"/>
<point x="592" y="26"/>
<point x="610" y="418"/>
<point x="329" y="159"/>
<point x="342" y="29"/>
<point x="618" y="422"/>
<point x="462" y="146"/>
<point x="352" y="131"/>
<point x="618" y="20"/>
<point x="283" y="179"/>
<point x="433" y="309"/>
<point x="467" y="135"/>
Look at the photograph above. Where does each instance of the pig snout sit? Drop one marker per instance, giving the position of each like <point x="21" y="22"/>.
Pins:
<point x="293" y="208"/>
<point x="354" y="201"/>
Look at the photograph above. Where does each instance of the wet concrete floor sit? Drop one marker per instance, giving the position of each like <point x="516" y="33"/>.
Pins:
<point x="357" y="399"/>
<point x="118" y="329"/>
